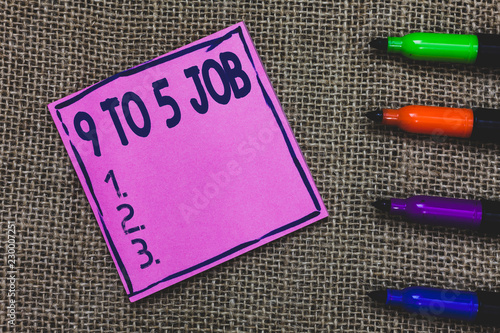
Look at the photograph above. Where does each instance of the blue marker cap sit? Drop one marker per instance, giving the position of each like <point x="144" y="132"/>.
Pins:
<point x="481" y="307"/>
<point x="436" y="302"/>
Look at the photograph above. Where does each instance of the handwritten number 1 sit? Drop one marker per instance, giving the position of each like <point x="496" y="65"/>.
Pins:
<point x="111" y="175"/>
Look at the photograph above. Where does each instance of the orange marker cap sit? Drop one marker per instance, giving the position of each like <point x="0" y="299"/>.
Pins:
<point x="432" y="120"/>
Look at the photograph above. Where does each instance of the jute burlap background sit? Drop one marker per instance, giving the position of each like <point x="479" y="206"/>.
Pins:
<point x="326" y="77"/>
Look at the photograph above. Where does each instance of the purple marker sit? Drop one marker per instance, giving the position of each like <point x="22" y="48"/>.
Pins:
<point x="483" y="215"/>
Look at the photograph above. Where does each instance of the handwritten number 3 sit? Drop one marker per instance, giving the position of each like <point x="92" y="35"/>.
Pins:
<point x="145" y="251"/>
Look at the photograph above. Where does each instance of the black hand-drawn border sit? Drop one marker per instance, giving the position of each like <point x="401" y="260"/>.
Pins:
<point x="211" y="44"/>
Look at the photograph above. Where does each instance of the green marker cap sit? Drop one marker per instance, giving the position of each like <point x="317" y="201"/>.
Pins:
<point x="436" y="47"/>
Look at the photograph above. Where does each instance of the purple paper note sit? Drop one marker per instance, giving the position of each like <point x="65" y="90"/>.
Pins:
<point x="187" y="161"/>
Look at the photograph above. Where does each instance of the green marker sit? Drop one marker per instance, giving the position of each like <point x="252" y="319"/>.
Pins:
<point x="480" y="49"/>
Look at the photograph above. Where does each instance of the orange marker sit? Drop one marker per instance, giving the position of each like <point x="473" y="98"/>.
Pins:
<point x="475" y="123"/>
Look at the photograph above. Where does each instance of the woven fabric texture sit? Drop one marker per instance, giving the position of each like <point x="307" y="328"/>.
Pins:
<point x="317" y="56"/>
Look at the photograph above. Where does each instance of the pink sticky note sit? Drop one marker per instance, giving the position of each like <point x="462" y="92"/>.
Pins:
<point x="187" y="161"/>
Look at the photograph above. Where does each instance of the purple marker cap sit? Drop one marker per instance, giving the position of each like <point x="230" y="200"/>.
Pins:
<point x="460" y="213"/>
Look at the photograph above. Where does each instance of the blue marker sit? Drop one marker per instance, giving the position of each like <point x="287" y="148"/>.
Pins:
<point x="480" y="307"/>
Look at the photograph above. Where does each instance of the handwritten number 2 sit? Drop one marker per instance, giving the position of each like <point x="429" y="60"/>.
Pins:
<point x="145" y="251"/>
<point x="127" y="218"/>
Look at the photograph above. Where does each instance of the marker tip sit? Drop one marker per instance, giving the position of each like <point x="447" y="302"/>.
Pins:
<point x="379" y="296"/>
<point x="380" y="44"/>
<point x="376" y="116"/>
<point x="382" y="204"/>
